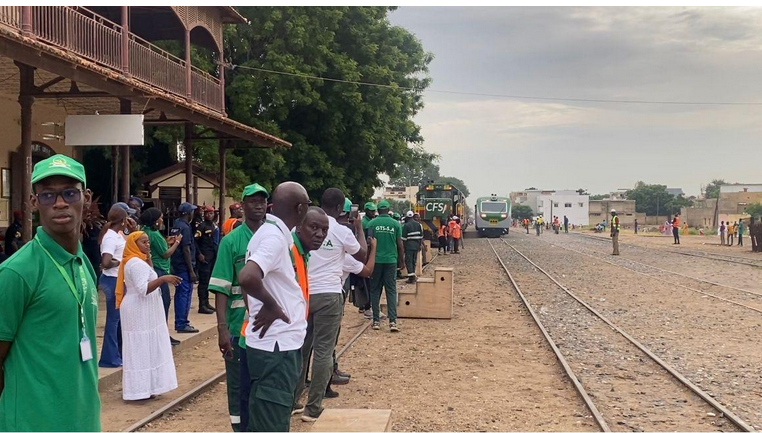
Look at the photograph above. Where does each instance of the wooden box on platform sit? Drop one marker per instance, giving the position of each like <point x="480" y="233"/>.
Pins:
<point x="354" y="420"/>
<point x="429" y="298"/>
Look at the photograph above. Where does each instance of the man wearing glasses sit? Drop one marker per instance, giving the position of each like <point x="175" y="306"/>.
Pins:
<point x="48" y="291"/>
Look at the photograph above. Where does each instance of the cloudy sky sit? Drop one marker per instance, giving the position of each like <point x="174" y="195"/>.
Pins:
<point x="498" y="144"/>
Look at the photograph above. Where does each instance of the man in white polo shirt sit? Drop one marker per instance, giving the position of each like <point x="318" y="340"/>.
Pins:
<point x="326" y="299"/>
<point x="277" y="312"/>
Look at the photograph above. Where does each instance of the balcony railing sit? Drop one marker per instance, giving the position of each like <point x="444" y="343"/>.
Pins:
<point x="78" y="30"/>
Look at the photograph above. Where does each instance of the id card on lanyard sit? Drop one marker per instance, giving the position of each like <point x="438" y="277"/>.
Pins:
<point x="85" y="349"/>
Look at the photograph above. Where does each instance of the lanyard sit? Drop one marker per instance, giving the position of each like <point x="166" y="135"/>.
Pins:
<point x="69" y="283"/>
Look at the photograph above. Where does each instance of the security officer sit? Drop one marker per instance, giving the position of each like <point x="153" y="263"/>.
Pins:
<point x="615" y="231"/>
<point x="207" y="253"/>
<point x="13" y="241"/>
<point x="412" y="237"/>
<point x="183" y="263"/>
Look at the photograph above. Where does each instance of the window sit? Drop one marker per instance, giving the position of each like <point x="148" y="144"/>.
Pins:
<point x="581" y="204"/>
<point x="493" y="207"/>
<point x="567" y="205"/>
<point x="555" y="204"/>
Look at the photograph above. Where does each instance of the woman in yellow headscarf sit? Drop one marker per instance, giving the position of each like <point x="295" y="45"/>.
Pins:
<point x="148" y="365"/>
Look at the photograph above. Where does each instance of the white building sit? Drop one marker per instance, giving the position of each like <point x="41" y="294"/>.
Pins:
<point x="565" y="203"/>
<point x="407" y="193"/>
<point x="741" y="187"/>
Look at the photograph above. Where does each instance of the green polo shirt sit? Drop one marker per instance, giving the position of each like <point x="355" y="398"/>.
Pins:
<point x="231" y="257"/>
<point x="47" y="385"/>
<point x="366" y="221"/>
<point x="159" y="247"/>
<point x="386" y="231"/>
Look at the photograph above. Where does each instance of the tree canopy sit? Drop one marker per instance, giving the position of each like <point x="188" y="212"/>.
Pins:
<point x="457" y="183"/>
<point x="599" y="197"/>
<point x="712" y="190"/>
<point x="415" y="169"/>
<point x="754" y="209"/>
<point x="654" y="199"/>
<point x="521" y="211"/>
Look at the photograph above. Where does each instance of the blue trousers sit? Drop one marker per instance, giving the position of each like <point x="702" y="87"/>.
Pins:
<point x="183" y="293"/>
<point x="110" y="353"/>
<point x="165" y="296"/>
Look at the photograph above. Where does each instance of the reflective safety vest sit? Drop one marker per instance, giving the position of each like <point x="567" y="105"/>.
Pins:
<point x="615" y="222"/>
<point x="300" y="269"/>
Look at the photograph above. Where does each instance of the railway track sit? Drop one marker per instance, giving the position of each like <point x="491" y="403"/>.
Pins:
<point x="749" y="296"/>
<point x="622" y="382"/>
<point x="217" y="377"/>
<point x="757" y="263"/>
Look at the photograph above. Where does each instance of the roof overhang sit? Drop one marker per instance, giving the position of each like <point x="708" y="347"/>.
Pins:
<point x="231" y="16"/>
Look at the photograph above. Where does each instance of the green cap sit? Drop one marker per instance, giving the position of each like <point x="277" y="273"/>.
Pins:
<point x="396" y="215"/>
<point x="370" y="206"/>
<point x="347" y="205"/>
<point x="253" y="189"/>
<point x="383" y="204"/>
<point x="58" y="165"/>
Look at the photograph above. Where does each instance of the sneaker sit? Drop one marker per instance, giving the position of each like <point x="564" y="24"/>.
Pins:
<point x="308" y="418"/>
<point x="376" y="326"/>
<point x="393" y="327"/>
<point x="368" y="314"/>
<point x="298" y="408"/>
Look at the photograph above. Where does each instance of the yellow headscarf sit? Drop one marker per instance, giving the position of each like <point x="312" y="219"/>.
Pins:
<point x="131" y="250"/>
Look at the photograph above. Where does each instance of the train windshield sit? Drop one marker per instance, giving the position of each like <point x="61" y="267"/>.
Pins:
<point x="494" y="207"/>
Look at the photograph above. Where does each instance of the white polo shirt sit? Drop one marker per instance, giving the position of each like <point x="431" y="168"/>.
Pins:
<point x="113" y="243"/>
<point x="327" y="264"/>
<point x="351" y="266"/>
<point x="270" y="249"/>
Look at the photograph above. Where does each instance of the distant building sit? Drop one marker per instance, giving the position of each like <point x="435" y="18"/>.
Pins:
<point x="675" y="192"/>
<point x="407" y="193"/>
<point x="601" y="210"/>
<point x="731" y="205"/>
<point x="552" y="203"/>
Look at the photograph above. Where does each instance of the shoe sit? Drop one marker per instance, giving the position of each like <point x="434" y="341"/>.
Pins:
<point x="209" y="306"/>
<point x="341" y="373"/>
<point x="376" y="326"/>
<point x="393" y="327"/>
<point x="308" y="418"/>
<point x="187" y="330"/>
<point x="173" y="341"/>
<point x="205" y="310"/>
<point x="329" y="393"/>
<point x="297" y="409"/>
<point x="411" y="279"/>
<point x="339" y="380"/>
<point x="368" y="314"/>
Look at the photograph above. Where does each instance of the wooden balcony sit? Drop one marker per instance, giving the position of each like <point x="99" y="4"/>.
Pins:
<point x="80" y="31"/>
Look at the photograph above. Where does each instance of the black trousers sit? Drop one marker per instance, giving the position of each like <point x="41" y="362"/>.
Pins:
<point x="676" y="234"/>
<point x="204" y="275"/>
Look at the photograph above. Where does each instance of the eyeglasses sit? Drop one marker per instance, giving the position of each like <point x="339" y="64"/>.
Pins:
<point x="69" y="195"/>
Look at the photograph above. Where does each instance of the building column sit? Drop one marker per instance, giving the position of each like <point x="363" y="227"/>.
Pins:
<point x="26" y="21"/>
<point x="126" y="40"/>
<point x="114" y="174"/>
<point x="26" y="100"/>
<point x="188" y="144"/>
<point x="125" y="107"/>
<point x="223" y="179"/>
<point x="188" y="92"/>
<point x="222" y="81"/>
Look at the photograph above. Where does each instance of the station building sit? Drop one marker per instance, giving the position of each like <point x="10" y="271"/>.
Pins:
<point x="57" y="61"/>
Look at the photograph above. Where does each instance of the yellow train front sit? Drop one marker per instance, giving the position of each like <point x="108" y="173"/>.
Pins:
<point x="436" y="203"/>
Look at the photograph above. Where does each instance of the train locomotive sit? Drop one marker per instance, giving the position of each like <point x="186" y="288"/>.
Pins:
<point x="492" y="216"/>
<point x="436" y="202"/>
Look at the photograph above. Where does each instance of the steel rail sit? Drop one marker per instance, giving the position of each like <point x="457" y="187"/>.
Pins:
<point x="735" y="419"/>
<point x="209" y="383"/>
<point x="711" y="295"/>
<point x="561" y="358"/>
<point x="714" y="283"/>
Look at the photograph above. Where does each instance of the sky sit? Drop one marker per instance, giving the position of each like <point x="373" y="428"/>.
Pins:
<point x="499" y="144"/>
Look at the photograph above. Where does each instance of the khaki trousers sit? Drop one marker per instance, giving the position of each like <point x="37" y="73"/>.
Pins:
<point x="615" y="242"/>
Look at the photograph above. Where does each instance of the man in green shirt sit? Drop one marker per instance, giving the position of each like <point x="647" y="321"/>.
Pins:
<point x="370" y="213"/>
<point x="48" y="309"/>
<point x="389" y="254"/>
<point x="229" y="300"/>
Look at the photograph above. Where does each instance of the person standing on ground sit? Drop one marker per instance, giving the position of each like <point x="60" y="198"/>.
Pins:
<point x="740" y="233"/>
<point x="370" y="213"/>
<point x="277" y="312"/>
<point x="615" y="232"/>
<point x="230" y="305"/>
<point x="454" y="230"/>
<point x="676" y="229"/>
<point x="388" y="234"/>
<point x="731" y="233"/>
<point x="325" y="297"/>
<point x="566" y="224"/>
<point x="112" y="247"/>
<point x="412" y="236"/>
<point x="152" y="221"/>
<point x="149" y="368"/>
<point x="207" y="253"/>
<point x="13" y="241"/>
<point x="538" y="225"/>
<point x="48" y="313"/>
<point x="236" y="218"/>
<point x="183" y="262"/>
<point x="722" y="232"/>
<point x="636" y="226"/>
<point x="556" y="224"/>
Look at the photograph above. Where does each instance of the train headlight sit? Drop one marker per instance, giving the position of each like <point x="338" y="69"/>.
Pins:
<point x="502" y="215"/>
<point x="484" y="215"/>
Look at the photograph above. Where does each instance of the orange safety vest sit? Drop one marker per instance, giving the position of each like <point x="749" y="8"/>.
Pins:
<point x="228" y="225"/>
<point x="676" y="222"/>
<point x="300" y="269"/>
<point x="455" y="230"/>
<point x="442" y="231"/>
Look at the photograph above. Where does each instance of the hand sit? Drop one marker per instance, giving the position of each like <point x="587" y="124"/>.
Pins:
<point x="193" y="277"/>
<point x="171" y="240"/>
<point x="223" y="341"/>
<point x="611" y="235"/>
<point x="358" y="225"/>
<point x="171" y="279"/>
<point x="267" y="316"/>
<point x="131" y="225"/>
<point x="201" y="258"/>
<point x="373" y="242"/>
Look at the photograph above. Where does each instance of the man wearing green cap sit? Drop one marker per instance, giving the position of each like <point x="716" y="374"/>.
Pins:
<point x="230" y="304"/>
<point x="48" y="308"/>
<point x="389" y="253"/>
<point x="370" y="213"/>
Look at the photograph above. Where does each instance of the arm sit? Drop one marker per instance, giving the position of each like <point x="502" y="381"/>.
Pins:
<point x="155" y="284"/>
<point x="172" y="248"/>
<point x="108" y="261"/>
<point x="367" y="269"/>
<point x="223" y="333"/>
<point x="251" y="282"/>
<point x="108" y="247"/>
<point x="5" y="347"/>
<point x="362" y="254"/>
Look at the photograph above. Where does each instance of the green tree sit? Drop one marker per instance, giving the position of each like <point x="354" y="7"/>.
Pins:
<point x="416" y="169"/>
<point x="754" y="209"/>
<point x="712" y="190"/>
<point x="400" y="206"/>
<point x="520" y="211"/>
<point x="457" y="183"/>
<point x="343" y="134"/>
<point x="599" y="197"/>
<point x="654" y="199"/>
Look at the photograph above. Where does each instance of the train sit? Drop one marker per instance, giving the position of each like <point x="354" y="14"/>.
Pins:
<point x="492" y="216"/>
<point x="436" y="202"/>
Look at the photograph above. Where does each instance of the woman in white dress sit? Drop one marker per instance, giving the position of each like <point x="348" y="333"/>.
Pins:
<point x="148" y="365"/>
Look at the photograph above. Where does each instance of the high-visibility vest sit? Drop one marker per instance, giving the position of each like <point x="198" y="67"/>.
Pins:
<point x="227" y="226"/>
<point x="676" y="222"/>
<point x="615" y="222"/>
<point x="300" y="268"/>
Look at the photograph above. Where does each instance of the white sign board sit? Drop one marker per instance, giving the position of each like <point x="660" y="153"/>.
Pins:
<point x="105" y="130"/>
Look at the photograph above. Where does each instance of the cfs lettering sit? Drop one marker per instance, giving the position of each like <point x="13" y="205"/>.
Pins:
<point x="436" y="207"/>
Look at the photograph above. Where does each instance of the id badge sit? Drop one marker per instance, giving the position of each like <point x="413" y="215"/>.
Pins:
<point x="85" y="349"/>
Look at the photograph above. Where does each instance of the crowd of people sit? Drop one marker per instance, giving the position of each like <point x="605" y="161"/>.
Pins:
<point x="450" y="235"/>
<point x="281" y="271"/>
